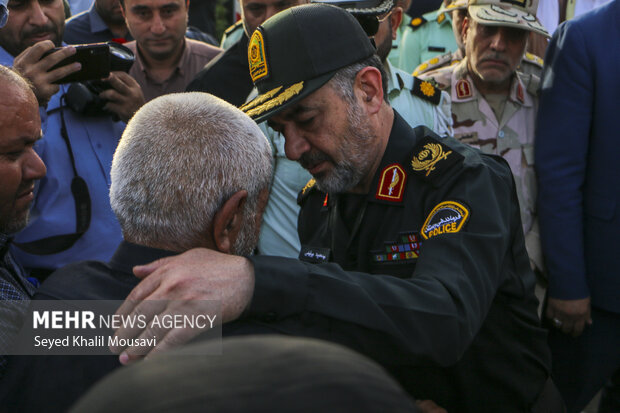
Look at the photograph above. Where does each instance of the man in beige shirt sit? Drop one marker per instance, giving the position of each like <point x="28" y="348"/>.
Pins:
<point x="493" y="104"/>
<point x="166" y="61"/>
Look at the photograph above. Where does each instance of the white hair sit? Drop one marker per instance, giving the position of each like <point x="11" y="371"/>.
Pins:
<point x="180" y="158"/>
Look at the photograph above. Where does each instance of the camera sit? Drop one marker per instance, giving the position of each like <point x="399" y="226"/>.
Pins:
<point x="83" y="96"/>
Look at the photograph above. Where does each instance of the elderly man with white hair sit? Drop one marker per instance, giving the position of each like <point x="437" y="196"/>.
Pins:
<point x="190" y="171"/>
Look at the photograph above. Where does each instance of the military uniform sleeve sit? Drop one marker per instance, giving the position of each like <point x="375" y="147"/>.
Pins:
<point x="431" y="317"/>
<point x="561" y="154"/>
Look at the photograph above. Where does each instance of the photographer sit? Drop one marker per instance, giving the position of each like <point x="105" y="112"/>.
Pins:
<point x="72" y="219"/>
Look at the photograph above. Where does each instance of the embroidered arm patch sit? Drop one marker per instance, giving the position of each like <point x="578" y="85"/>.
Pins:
<point x="447" y="217"/>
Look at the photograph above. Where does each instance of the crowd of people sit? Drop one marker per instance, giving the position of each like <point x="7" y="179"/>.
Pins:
<point x="355" y="185"/>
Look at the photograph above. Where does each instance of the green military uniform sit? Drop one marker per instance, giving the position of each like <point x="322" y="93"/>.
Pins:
<point x="232" y="35"/>
<point x="394" y="55"/>
<point x="426" y="37"/>
<point x="438" y="275"/>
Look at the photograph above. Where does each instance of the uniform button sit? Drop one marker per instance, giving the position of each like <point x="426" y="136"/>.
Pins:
<point x="501" y="134"/>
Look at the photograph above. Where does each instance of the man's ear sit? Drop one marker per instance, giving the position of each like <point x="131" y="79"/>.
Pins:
<point x="465" y="28"/>
<point x="396" y="17"/>
<point x="227" y="222"/>
<point x="368" y="82"/>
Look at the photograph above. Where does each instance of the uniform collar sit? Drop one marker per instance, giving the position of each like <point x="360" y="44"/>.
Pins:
<point x="128" y="255"/>
<point x="464" y="90"/>
<point x="396" y="156"/>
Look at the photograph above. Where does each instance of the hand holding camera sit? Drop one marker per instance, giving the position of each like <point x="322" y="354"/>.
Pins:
<point x="124" y="98"/>
<point x="43" y="70"/>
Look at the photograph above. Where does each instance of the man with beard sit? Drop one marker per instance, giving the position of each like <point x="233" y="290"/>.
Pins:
<point x="494" y="105"/>
<point x="412" y="251"/>
<point x="20" y="168"/>
<point x="71" y="218"/>
<point x="103" y="22"/>
<point x="418" y="102"/>
<point x="163" y="210"/>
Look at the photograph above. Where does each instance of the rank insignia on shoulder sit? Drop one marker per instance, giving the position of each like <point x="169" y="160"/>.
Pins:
<point x="463" y="89"/>
<point x="432" y="158"/>
<point x="434" y="63"/>
<point x="305" y="191"/>
<point x="446" y="218"/>
<point x="426" y="90"/>
<point x="417" y="22"/>
<point x="392" y="183"/>
<point x="233" y="27"/>
<point x="533" y="59"/>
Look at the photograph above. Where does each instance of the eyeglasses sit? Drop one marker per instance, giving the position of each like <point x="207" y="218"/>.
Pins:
<point x="370" y="24"/>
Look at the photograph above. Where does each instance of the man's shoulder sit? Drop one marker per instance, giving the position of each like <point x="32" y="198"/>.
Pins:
<point x="442" y="77"/>
<point x="419" y="88"/>
<point x="436" y="63"/>
<point x="85" y="280"/>
<point x="202" y="49"/>
<point x="438" y="160"/>
<point x="424" y="21"/>
<point x="80" y="22"/>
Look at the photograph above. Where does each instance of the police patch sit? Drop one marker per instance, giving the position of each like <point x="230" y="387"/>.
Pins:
<point x="256" y="56"/>
<point x="446" y="218"/>
<point x="392" y="183"/>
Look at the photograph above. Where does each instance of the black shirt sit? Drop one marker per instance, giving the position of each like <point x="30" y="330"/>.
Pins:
<point x="432" y="279"/>
<point x="227" y="76"/>
<point x="53" y="383"/>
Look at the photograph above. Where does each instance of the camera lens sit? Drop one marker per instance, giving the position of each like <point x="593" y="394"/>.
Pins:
<point x="121" y="58"/>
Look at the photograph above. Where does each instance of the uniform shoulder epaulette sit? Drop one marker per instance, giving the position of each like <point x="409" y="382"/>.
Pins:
<point x="533" y="59"/>
<point x="233" y="27"/>
<point x="434" y="63"/>
<point x="533" y="84"/>
<point x="417" y="22"/>
<point x="426" y="90"/>
<point x="433" y="160"/>
<point x="306" y="191"/>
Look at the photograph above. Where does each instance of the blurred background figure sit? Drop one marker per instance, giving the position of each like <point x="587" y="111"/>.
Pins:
<point x="579" y="205"/>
